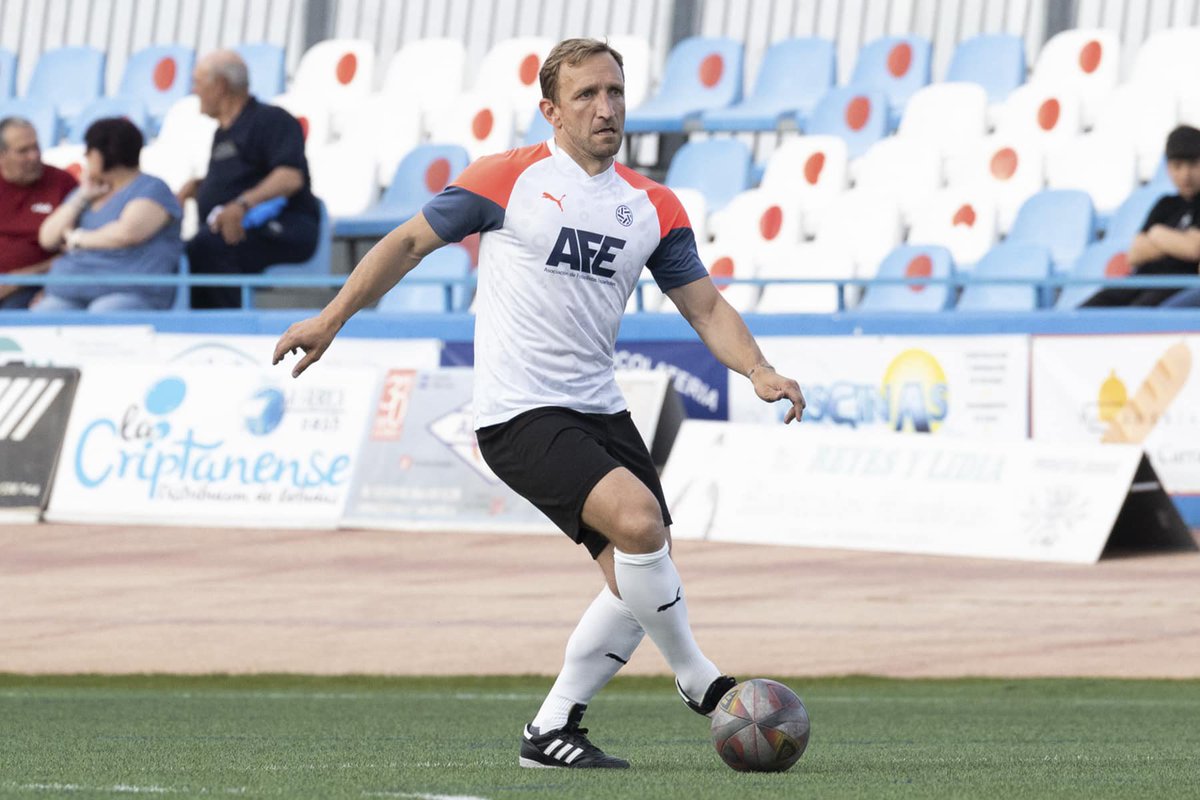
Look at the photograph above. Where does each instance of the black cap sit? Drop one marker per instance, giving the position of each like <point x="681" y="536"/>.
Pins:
<point x="1183" y="143"/>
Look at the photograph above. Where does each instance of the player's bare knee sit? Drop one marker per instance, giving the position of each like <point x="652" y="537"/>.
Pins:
<point x="639" y="529"/>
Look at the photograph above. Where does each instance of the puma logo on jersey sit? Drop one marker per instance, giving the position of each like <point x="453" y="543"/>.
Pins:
<point x="585" y="251"/>
<point x="557" y="200"/>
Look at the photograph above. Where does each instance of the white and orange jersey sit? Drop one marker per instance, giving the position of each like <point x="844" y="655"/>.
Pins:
<point x="560" y="254"/>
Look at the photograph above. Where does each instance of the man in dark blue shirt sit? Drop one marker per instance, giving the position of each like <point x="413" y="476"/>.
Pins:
<point x="257" y="157"/>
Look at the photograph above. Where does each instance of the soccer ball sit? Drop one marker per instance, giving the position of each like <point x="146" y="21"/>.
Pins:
<point x="760" y="726"/>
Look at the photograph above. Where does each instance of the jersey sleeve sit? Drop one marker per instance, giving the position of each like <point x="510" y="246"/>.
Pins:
<point x="675" y="262"/>
<point x="477" y="199"/>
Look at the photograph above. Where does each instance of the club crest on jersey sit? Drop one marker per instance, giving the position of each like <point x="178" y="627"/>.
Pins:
<point x="624" y="215"/>
<point x="585" y="251"/>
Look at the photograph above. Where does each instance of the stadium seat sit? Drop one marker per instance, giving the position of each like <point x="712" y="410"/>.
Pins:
<point x="481" y="124"/>
<point x="159" y="76"/>
<point x="793" y="76"/>
<point x="1009" y="169"/>
<point x="539" y="129"/>
<point x="1168" y="59"/>
<point x="907" y="262"/>
<point x="184" y="144"/>
<point x="70" y="78"/>
<point x="442" y="65"/>
<point x="1104" y="259"/>
<point x="858" y="118"/>
<point x="1008" y="260"/>
<point x="69" y="157"/>
<point x="1104" y="167"/>
<point x="8" y="73"/>
<point x="961" y="220"/>
<point x="320" y="261"/>
<point x="811" y="260"/>
<point x="1061" y="220"/>
<point x="39" y="113"/>
<point x="386" y="129"/>
<point x="343" y="175"/>
<point x="1141" y="116"/>
<point x="129" y="107"/>
<point x="731" y="258"/>
<point x="424" y="172"/>
<point x="809" y="170"/>
<point x="508" y="72"/>
<point x="765" y="220"/>
<point x="1046" y="114"/>
<point x="335" y="69"/>
<point x="314" y="116"/>
<point x="866" y="224"/>
<point x="702" y="73"/>
<point x="718" y="168"/>
<point x="994" y="61"/>
<point x="894" y="66"/>
<point x="695" y="205"/>
<point x="907" y="168"/>
<point x="1082" y="62"/>
<point x="265" y="63"/>
<point x="638" y="66"/>
<point x="452" y="262"/>
<point x="1127" y="221"/>
<point x="945" y="115"/>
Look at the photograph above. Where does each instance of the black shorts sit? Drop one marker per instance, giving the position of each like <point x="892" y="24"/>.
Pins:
<point x="554" y="457"/>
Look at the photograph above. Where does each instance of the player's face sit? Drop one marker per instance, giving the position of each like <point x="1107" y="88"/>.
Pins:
<point x="590" y="110"/>
<point x="21" y="160"/>
<point x="1185" y="174"/>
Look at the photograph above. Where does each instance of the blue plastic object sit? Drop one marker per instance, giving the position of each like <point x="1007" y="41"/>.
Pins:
<point x="896" y="66"/>
<point x="793" y="76"/>
<point x="702" y="73"/>
<point x="859" y="118"/>
<point x="39" y="113"/>
<point x="1127" y="221"/>
<point x="452" y="262"/>
<point x="419" y="176"/>
<point x="265" y="63"/>
<point x="1006" y="260"/>
<point x="71" y="78"/>
<point x="132" y="108"/>
<point x="159" y="76"/>
<point x="717" y="168"/>
<point x="1094" y="262"/>
<point x="994" y="61"/>
<point x="1061" y="220"/>
<point x="264" y="212"/>
<point x="911" y="261"/>
<point x="8" y="73"/>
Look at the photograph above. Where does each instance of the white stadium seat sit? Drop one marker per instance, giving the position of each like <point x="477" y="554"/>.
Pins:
<point x="1104" y="167"/>
<point x="1046" y="113"/>
<point x="945" y="114"/>
<point x="909" y="170"/>
<point x="639" y="67"/>
<point x="1141" y="115"/>
<point x="509" y="73"/>
<point x="961" y="219"/>
<point x="335" y="72"/>
<point x="441" y="65"/>
<point x="731" y="259"/>
<point x="1169" y="59"/>
<point x="343" y="175"/>
<point x="867" y="225"/>
<point x="811" y="169"/>
<point x="483" y="124"/>
<point x="696" y="207"/>
<point x="808" y="260"/>
<point x="1009" y="169"/>
<point x="1083" y="62"/>
<point x="767" y="220"/>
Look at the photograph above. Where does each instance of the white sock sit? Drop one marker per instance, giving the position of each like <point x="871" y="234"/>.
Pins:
<point x="650" y="586"/>
<point x="604" y="639"/>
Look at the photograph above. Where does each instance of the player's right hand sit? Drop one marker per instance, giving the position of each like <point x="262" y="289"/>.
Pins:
<point x="312" y="335"/>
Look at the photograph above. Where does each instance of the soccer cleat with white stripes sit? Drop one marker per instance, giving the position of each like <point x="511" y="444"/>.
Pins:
<point x="566" y="747"/>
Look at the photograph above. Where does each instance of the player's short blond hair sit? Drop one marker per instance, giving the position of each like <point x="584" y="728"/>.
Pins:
<point x="573" y="52"/>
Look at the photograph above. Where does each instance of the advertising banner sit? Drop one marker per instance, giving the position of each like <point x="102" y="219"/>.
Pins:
<point x="976" y="386"/>
<point x="185" y="445"/>
<point x="75" y="345"/>
<point x="1138" y="389"/>
<point x="35" y="403"/>
<point x="257" y="351"/>
<point x="821" y="486"/>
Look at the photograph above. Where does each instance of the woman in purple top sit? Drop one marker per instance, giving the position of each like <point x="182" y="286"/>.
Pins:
<point x="119" y="221"/>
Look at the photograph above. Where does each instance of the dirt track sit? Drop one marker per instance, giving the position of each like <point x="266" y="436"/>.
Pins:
<point x="136" y="599"/>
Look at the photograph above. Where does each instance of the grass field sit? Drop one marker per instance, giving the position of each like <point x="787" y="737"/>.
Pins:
<point x="294" y="737"/>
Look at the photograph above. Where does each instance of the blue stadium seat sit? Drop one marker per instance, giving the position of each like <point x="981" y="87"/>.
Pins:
<point x="1006" y="260"/>
<point x="911" y="261"/>
<point x="421" y="174"/>
<point x="1061" y="220"/>
<point x="265" y="62"/>
<point x="539" y="129"/>
<point x="717" y="168"/>
<point x="39" y="113"/>
<point x="994" y="61"/>
<point x="159" y="76"/>
<point x="70" y="78"/>
<point x="8" y="73"/>
<point x="320" y="261"/>
<point x="896" y="66"/>
<point x="452" y="263"/>
<point x="859" y="118"/>
<point x="702" y="73"/>
<point x="1130" y="216"/>
<point x="794" y="74"/>
<point x="1103" y="259"/>
<point x="132" y="108"/>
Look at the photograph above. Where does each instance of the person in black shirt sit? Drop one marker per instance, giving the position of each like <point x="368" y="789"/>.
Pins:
<point x="1169" y="243"/>
<point x="257" y="156"/>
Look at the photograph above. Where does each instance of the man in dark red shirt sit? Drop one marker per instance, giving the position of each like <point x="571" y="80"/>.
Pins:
<point x="29" y="191"/>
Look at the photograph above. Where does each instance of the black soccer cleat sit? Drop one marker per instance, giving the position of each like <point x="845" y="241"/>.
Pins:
<point x="566" y="747"/>
<point x="716" y="690"/>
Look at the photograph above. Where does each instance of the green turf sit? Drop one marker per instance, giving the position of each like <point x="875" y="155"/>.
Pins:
<point x="277" y="736"/>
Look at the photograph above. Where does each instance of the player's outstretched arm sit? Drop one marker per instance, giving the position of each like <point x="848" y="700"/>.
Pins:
<point x="388" y="261"/>
<point x="724" y="332"/>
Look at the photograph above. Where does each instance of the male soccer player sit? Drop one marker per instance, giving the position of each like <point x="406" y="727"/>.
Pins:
<point x="566" y="232"/>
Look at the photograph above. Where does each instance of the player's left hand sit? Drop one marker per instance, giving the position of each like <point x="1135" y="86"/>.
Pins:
<point x="770" y="386"/>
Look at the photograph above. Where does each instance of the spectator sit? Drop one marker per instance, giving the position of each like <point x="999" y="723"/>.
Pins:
<point x="119" y="221"/>
<point x="29" y="191"/>
<point x="1169" y="243"/>
<point x="257" y="156"/>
